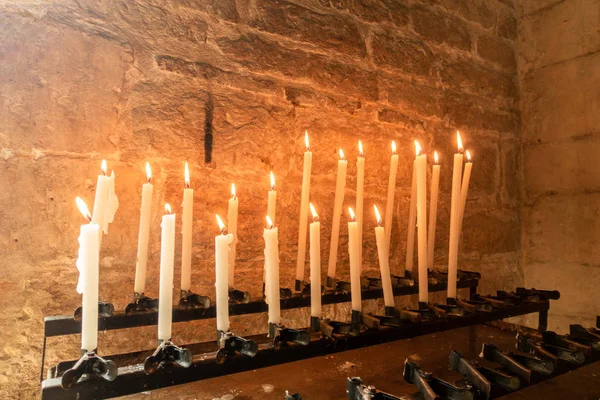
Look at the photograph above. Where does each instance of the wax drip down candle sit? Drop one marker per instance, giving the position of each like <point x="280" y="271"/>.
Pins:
<point x="144" y="233"/>
<point x="232" y="218"/>
<point x="315" y="264"/>
<point x="105" y="201"/>
<point x="271" y="238"/>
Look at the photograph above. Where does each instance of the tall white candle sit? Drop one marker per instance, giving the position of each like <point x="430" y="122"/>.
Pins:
<point x="105" y="201"/>
<point x="167" y="260"/>
<point x="412" y="223"/>
<point x="433" y="206"/>
<point x="304" y="200"/>
<point x="232" y="218"/>
<point x="144" y="233"/>
<point x="272" y="200"/>
<point x="315" y="264"/>
<point x="389" y="205"/>
<point x="360" y="194"/>
<point x="454" y="217"/>
<point x="337" y="213"/>
<point x="464" y="190"/>
<point x="384" y="264"/>
<point x="186" y="231"/>
<point x="222" y="246"/>
<point x="270" y="235"/>
<point x="88" y="261"/>
<point x="421" y="173"/>
<point x="355" y="289"/>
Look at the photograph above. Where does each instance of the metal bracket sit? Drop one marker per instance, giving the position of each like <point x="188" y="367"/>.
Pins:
<point x="189" y="300"/>
<point x="238" y="296"/>
<point x="90" y="366"/>
<point x="357" y="391"/>
<point x="229" y="344"/>
<point x="331" y="329"/>
<point x="367" y="320"/>
<point x="104" y="310"/>
<point x="167" y="355"/>
<point x="491" y="353"/>
<point x="476" y="378"/>
<point x="282" y="336"/>
<point x="141" y="304"/>
<point x="432" y="388"/>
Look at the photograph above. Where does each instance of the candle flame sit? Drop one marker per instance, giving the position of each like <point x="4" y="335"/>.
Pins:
<point x="269" y="223"/>
<point x="459" y="141"/>
<point x="186" y="175"/>
<point x="148" y="172"/>
<point x="306" y="142"/>
<point x="314" y="212"/>
<point x="103" y="166"/>
<point x="378" y="216"/>
<point x="436" y="159"/>
<point x="393" y="147"/>
<point x="168" y="208"/>
<point x="272" y="181"/>
<point x="222" y="226"/>
<point x="352" y="215"/>
<point x="341" y="154"/>
<point x="468" y="156"/>
<point x="418" y="149"/>
<point x="83" y="208"/>
<point x="360" y="149"/>
<point x="233" y="190"/>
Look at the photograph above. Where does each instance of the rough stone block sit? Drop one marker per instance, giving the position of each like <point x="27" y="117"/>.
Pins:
<point x="507" y="25"/>
<point x="441" y="28"/>
<point x="524" y="7"/>
<point x="406" y="54"/>
<point x="497" y="50"/>
<point x="375" y="10"/>
<point x="481" y="12"/>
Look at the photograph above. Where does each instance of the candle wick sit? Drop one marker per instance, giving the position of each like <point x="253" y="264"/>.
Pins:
<point x="316" y="219"/>
<point x="223" y="231"/>
<point x="461" y="150"/>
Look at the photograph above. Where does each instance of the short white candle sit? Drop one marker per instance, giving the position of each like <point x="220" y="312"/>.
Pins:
<point x="360" y="195"/>
<point x="384" y="264"/>
<point x="222" y="246"/>
<point x="304" y="200"/>
<point x="433" y="206"/>
<point x="454" y="217"/>
<point x="355" y="288"/>
<point x="315" y="264"/>
<point x="389" y="205"/>
<point x="464" y="190"/>
<point x="270" y="235"/>
<point x="186" y="231"/>
<point x="88" y="261"/>
<point x="412" y="223"/>
<point x="167" y="260"/>
<point x="232" y="218"/>
<point x="421" y="174"/>
<point x="144" y="234"/>
<point x="105" y="201"/>
<point x="340" y="186"/>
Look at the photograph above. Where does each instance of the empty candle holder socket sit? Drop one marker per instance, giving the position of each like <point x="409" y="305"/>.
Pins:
<point x="104" y="310"/>
<point x="93" y="367"/>
<point x="141" y="304"/>
<point x="229" y="344"/>
<point x="167" y="355"/>
<point x="282" y="336"/>
<point x="189" y="300"/>
<point x="238" y="296"/>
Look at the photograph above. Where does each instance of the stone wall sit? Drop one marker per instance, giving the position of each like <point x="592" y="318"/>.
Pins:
<point x="559" y="59"/>
<point x="141" y="81"/>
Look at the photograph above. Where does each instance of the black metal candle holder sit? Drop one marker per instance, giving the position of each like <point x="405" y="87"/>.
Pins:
<point x="189" y="300"/>
<point x="367" y="320"/>
<point x="397" y="317"/>
<point x="238" y="296"/>
<point x="282" y="336"/>
<point x="167" y="355"/>
<point x="431" y="387"/>
<point x="284" y="293"/>
<point x="306" y="289"/>
<point x="332" y="329"/>
<point x="92" y="366"/>
<point x="230" y="344"/>
<point x="104" y="310"/>
<point x="141" y="304"/>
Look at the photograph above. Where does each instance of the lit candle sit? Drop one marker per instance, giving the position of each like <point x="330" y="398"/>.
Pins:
<point x="88" y="261"/>
<point x="272" y="200"/>
<point x="105" y="201"/>
<point x="222" y="245"/>
<point x="144" y="234"/>
<point x="389" y="205"/>
<point x="303" y="212"/>
<point x="384" y="264"/>
<point x="412" y="223"/>
<point x="464" y="190"/>
<point x="186" y="231"/>
<point x="315" y="264"/>
<point x="433" y="205"/>
<point x="270" y="235"/>
<point x="355" y="289"/>
<point x="167" y="260"/>
<point x="421" y="174"/>
<point x="454" y="217"/>
<point x="232" y="217"/>
<point x="337" y="213"/>
<point x="360" y="193"/>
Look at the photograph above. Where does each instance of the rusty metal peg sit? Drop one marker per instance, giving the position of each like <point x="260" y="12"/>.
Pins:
<point x="432" y="388"/>
<point x="476" y="378"/>
<point x="492" y="353"/>
<point x="91" y="365"/>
